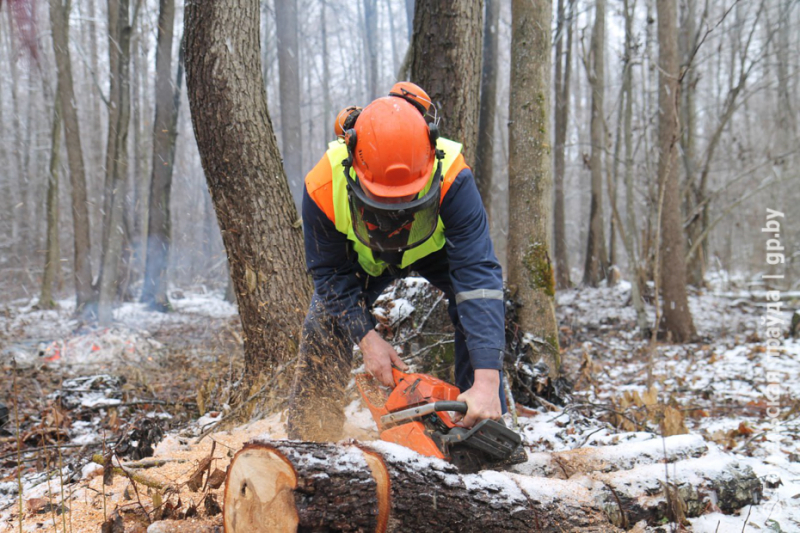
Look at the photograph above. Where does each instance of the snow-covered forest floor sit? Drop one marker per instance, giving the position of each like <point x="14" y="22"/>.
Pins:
<point x="72" y="391"/>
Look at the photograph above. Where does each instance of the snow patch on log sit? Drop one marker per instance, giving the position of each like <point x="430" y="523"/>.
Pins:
<point x="553" y="491"/>
<point x="613" y="458"/>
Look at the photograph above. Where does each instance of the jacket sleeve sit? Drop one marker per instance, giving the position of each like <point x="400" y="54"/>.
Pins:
<point x="475" y="272"/>
<point x="334" y="272"/>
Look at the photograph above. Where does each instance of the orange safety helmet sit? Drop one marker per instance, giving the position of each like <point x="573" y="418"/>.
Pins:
<point x="345" y="120"/>
<point x="392" y="147"/>
<point x="413" y="93"/>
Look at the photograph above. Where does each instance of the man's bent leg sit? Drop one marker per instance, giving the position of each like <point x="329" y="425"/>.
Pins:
<point x="317" y="402"/>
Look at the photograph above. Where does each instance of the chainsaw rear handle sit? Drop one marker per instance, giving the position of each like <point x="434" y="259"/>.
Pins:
<point x="422" y="410"/>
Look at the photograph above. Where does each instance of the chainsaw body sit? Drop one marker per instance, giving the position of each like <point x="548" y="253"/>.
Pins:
<point x="417" y="414"/>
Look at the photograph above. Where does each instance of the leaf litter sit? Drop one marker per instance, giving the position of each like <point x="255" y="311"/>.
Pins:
<point x="709" y="393"/>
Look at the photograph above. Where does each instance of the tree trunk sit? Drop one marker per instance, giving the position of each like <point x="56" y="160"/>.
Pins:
<point x="327" y="110"/>
<point x="393" y="32"/>
<point x="530" y="182"/>
<point x="677" y="316"/>
<point x="243" y="169"/>
<point x="695" y="196"/>
<point x="446" y="63"/>
<point x="17" y="149"/>
<point x="484" y="164"/>
<point x="82" y="269"/>
<point x="410" y="20"/>
<point x="52" y="259"/>
<point x="116" y="159"/>
<point x="596" y="264"/>
<point x="563" y="69"/>
<point x="5" y="185"/>
<point x="154" y="291"/>
<point x="629" y="240"/>
<point x="371" y="46"/>
<point x="289" y="72"/>
<point x="25" y="177"/>
<point x="276" y="486"/>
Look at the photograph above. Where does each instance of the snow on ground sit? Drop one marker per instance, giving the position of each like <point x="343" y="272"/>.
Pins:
<point x="718" y="383"/>
<point x="34" y="337"/>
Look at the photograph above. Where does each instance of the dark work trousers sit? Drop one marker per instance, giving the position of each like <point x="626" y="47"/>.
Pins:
<point x="319" y="392"/>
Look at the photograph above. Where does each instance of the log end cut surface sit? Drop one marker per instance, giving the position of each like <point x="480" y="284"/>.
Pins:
<point x="259" y="492"/>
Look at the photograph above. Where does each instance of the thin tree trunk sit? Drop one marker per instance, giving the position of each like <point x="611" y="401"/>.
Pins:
<point x="289" y="71"/>
<point x="446" y="63"/>
<point x="82" y="270"/>
<point x="484" y="164"/>
<point x="371" y="46"/>
<point x="16" y="131"/>
<point x="410" y="8"/>
<point x="247" y="183"/>
<point x="116" y="161"/>
<point x="154" y="290"/>
<point x="52" y="260"/>
<point x="326" y="90"/>
<point x="5" y="186"/>
<point x="141" y="179"/>
<point x="25" y="177"/>
<point x="562" y="74"/>
<point x="694" y="196"/>
<point x="530" y="178"/>
<point x="393" y="32"/>
<point x="677" y="316"/>
<point x="637" y="279"/>
<point x="596" y="264"/>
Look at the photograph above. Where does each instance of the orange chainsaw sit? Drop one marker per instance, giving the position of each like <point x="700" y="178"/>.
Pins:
<point x="417" y="414"/>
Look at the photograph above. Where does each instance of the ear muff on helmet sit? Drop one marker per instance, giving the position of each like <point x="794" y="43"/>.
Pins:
<point x="433" y="133"/>
<point x="346" y="120"/>
<point x="350" y="139"/>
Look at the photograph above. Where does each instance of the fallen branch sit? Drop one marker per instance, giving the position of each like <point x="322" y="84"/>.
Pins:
<point x="135" y="476"/>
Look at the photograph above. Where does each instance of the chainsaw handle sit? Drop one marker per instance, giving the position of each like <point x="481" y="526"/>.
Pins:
<point x="419" y="411"/>
<point x="445" y="405"/>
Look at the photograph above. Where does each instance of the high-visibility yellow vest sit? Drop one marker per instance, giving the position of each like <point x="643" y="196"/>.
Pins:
<point x="337" y="153"/>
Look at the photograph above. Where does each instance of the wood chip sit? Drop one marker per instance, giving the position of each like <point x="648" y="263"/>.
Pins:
<point x="217" y="478"/>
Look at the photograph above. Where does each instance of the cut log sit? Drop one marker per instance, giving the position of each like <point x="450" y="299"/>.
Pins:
<point x="277" y="486"/>
<point x="298" y="486"/>
<point x="612" y="458"/>
<point x="641" y="493"/>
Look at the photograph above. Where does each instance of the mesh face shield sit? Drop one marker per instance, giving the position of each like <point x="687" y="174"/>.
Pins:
<point x="385" y="227"/>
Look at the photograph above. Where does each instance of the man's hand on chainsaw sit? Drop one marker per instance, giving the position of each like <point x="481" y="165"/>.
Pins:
<point x="379" y="356"/>
<point x="483" y="398"/>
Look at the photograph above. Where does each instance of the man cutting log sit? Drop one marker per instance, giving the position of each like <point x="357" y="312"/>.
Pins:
<point x="390" y="197"/>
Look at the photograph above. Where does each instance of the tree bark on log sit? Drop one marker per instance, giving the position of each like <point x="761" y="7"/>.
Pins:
<point x="299" y="486"/>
